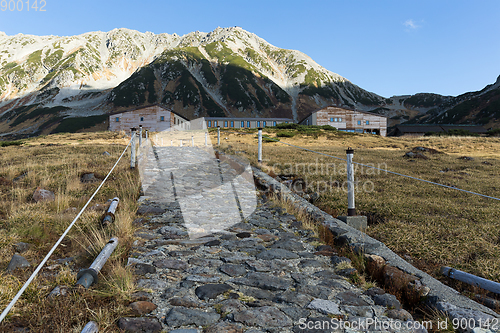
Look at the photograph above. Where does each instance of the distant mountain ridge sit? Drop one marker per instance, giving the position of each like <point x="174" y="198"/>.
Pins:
<point x="44" y="80"/>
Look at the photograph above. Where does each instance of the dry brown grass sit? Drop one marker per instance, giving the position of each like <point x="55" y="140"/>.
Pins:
<point x="433" y="225"/>
<point x="56" y="163"/>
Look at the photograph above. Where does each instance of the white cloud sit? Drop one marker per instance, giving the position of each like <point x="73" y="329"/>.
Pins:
<point x="411" y="24"/>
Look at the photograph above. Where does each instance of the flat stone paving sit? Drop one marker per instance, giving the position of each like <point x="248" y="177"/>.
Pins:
<point x="263" y="273"/>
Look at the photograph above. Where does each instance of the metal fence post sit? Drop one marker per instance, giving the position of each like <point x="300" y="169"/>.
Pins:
<point x="132" y="150"/>
<point x="218" y="135"/>
<point x="206" y="139"/>
<point x="140" y="136"/>
<point x="87" y="277"/>
<point x="180" y="143"/>
<point x="351" y="207"/>
<point x="192" y="141"/>
<point x="147" y="134"/>
<point x="259" y="158"/>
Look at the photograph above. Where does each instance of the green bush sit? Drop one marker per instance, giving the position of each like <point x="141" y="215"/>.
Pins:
<point x="494" y="132"/>
<point x="285" y="134"/>
<point x="10" y="143"/>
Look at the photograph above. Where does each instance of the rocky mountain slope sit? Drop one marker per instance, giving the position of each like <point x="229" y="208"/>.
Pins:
<point x="225" y="72"/>
<point x="47" y="82"/>
<point x="479" y="107"/>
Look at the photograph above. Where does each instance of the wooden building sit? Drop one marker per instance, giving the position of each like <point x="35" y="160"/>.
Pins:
<point x="233" y="122"/>
<point x="154" y="118"/>
<point x="348" y="120"/>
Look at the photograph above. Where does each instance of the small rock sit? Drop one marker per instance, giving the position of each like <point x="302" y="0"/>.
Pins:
<point x="149" y="210"/>
<point x="21" y="247"/>
<point x="265" y="316"/>
<point x="142" y="307"/>
<point x="277" y="254"/>
<point x="243" y="235"/>
<point x="140" y="296"/>
<point x="233" y="270"/>
<point x="399" y="314"/>
<point x="387" y="300"/>
<point x="214" y="242"/>
<point x="106" y="153"/>
<point x="324" y="306"/>
<point x="171" y="263"/>
<point x="140" y="325"/>
<point x="186" y="301"/>
<point x="223" y="327"/>
<point x="180" y="316"/>
<point x="43" y="195"/>
<point x="211" y="291"/>
<point x="88" y="178"/>
<point x="337" y="260"/>
<point x="374" y="291"/>
<point x="143" y="269"/>
<point x="17" y="261"/>
<point x="466" y="158"/>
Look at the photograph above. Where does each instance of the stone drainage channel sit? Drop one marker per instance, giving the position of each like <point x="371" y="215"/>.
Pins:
<point x="265" y="273"/>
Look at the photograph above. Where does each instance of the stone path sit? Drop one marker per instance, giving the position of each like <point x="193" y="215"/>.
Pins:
<point x="263" y="273"/>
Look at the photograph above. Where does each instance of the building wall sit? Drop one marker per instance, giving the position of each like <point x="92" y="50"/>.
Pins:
<point x="151" y="119"/>
<point x="349" y="120"/>
<point x="212" y="122"/>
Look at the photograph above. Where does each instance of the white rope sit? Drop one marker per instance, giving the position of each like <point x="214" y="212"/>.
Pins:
<point x="32" y="277"/>
<point x="372" y="167"/>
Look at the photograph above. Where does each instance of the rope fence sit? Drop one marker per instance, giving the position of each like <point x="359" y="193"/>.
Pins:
<point x="40" y="266"/>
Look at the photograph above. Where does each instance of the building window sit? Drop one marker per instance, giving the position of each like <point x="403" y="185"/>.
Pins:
<point x="232" y="123"/>
<point x="209" y="123"/>
<point x="162" y="118"/>
<point x="248" y="124"/>
<point x="242" y="124"/>
<point x="117" y="119"/>
<point x="215" y="123"/>
<point x="264" y="124"/>
<point x="358" y="130"/>
<point x="258" y="123"/>
<point x="331" y="120"/>
<point x="368" y="122"/>
<point x="340" y="119"/>
<point x="274" y="123"/>
<point x="142" y="118"/>
<point x="359" y="122"/>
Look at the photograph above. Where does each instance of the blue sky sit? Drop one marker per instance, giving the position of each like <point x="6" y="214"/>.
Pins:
<point x="387" y="47"/>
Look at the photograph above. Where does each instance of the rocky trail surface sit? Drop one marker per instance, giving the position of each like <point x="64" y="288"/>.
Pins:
<point x="263" y="273"/>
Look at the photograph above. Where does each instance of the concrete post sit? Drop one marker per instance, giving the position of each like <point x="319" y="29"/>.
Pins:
<point x="147" y="135"/>
<point x="192" y="141"/>
<point x="87" y="277"/>
<point x="132" y="150"/>
<point x="181" y="143"/>
<point x="259" y="157"/>
<point x="206" y="139"/>
<point x="218" y="135"/>
<point x="351" y="207"/>
<point x="140" y="136"/>
<point x="171" y="143"/>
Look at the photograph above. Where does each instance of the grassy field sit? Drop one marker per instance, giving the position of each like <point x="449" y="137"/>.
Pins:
<point x="56" y="163"/>
<point x="428" y="225"/>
